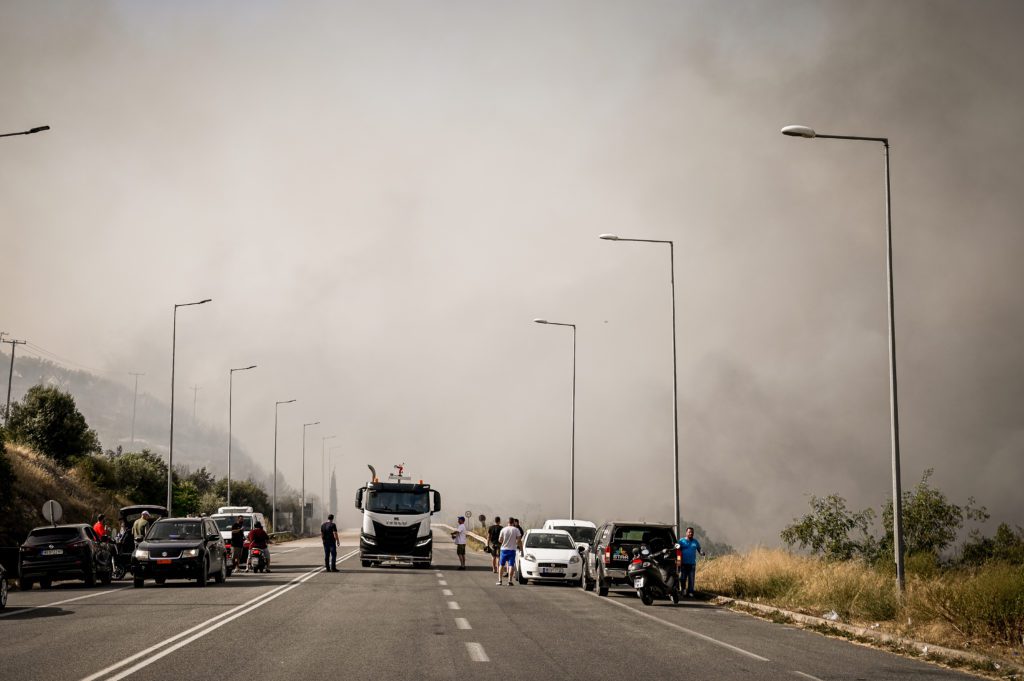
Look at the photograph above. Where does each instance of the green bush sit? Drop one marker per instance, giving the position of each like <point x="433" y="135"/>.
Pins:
<point x="6" y="473"/>
<point x="141" y="476"/>
<point x="48" y="421"/>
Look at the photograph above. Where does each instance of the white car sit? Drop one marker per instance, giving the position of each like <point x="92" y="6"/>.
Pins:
<point x="549" y="556"/>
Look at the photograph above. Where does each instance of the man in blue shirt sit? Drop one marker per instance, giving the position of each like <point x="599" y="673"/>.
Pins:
<point x="689" y="547"/>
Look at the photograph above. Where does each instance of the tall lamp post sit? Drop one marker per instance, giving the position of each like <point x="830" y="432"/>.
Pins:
<point x="41" y="128"/>
<point x="894" y="417"/>
<point x="572" y="420"/>
<point x="675" y="381"/>
<point x="231" y="389"/>
<point x="170" y="451"/>
<point x="323" y="469"/>
<point x="273" y="512"/>
<point x="302" y="512"/>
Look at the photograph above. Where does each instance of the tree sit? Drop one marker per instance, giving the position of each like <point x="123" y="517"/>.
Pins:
<point x="186" y="498"/>
<point x="244" y="493"/>
<point x="202" y="479"/>
<point x="826" y="529"/>
<point x="48" y="421"/>
<point x="142" y="477"/>
<point x="930" y="520"/>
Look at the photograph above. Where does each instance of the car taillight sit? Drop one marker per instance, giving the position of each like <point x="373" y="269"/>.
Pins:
<point x="76" y="545"/>
<point x="607" y="554"/>
<point x="28" y="550"/>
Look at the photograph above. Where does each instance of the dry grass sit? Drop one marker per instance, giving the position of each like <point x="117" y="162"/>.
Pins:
<point x="39" y="478"/>
<point x="957" y="608"/>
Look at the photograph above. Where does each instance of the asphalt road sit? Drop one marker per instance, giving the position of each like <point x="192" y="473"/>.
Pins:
<point x="395" y="623"/>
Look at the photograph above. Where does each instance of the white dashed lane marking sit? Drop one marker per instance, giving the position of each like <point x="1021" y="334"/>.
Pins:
<point x="462" y="623"/>
<point x="442" y="582"/>
<point x="452" y="605"/>
<point x="476" y="652"/>
<point x="447" y="592"/>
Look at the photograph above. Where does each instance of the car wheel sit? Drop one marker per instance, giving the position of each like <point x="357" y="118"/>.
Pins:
<point x="223" y="574"/>
<point x="118" y="572"/>
<point x="45" y="583"/>
<point x="25" y="584"/>
<point x="602" y="585"/>
<point x="3" y="593"/>
<point x="160" y="580"/>
<point x="90" y="576"/>
<point x="522" y="579"/>
<point x="138" y="582"/>
<point x="204" y="574"/>
<point x="107" y="576"/>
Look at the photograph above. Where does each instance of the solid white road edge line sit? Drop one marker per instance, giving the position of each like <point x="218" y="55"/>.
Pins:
<point x="462" y="623"/>
<point x="18" y="611"/>
<point x="691" y="632"/>
<point x="476" y="652"/>
<point x="142" y="653"/>
<point x="294" y="584"/>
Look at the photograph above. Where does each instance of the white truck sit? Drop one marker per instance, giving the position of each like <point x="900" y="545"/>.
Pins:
<point x="396" y="520"/>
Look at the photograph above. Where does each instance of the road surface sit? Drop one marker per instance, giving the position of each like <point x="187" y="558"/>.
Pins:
<point x="305" y="624"/>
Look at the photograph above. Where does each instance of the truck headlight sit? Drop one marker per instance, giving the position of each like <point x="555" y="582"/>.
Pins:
<point x="141" y="554"/>
<point x="423" y="542"/>
<point x="190" y="553"/>
<point x="369" y="540"/>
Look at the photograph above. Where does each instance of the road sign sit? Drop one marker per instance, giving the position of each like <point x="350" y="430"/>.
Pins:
<point x="52" y="512"/>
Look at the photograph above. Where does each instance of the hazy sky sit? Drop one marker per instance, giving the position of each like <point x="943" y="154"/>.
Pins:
<point x="380" y="197"/>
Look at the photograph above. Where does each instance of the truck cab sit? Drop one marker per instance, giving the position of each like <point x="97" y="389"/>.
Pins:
<point x="396" y="522"/>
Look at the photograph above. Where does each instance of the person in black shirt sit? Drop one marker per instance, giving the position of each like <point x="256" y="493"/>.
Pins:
<point x="237" y="542"/>
<point x="492" y="541"/>
<point x="329" y="534"/>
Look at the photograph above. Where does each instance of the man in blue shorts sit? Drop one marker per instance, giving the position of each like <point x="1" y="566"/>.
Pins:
<point x="509" y="540"/>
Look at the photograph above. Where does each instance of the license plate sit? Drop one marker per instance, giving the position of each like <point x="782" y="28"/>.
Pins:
<point x="551" y="571"/>
<point x="638" y="583"/>
<point x="163" y="561"/>
<point x="51" y="552"/>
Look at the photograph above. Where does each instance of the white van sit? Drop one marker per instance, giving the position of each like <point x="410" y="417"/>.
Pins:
<point x="581" y="531"/>
<point x="226" y="515"/>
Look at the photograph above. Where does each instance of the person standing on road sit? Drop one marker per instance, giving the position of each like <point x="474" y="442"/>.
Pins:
<point x="493" y="544"/>
<point x="459" y="536"/>
<point x="238" y="542"/>
<point x="99" y="528"/>
<point x="510" y="538"/>
<point x="689" y="547"/>
<point x="140" y="526"/>
<point x="329" y="534"/>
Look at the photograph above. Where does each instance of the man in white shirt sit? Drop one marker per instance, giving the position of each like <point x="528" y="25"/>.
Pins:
<point x="459" y="536"/>
<point x="509" y="539"/>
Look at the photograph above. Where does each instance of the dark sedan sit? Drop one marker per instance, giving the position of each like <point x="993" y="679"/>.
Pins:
<point x="64" y="552"/>
<point x="181" y="548"/>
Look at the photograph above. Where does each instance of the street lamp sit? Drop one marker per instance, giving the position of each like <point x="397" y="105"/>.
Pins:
<point x="273" y="512"/>
<point x="170" y="451"/>
<point x="675" y="386"/>
<point x="894" y="420"/>
<point x="572" y="420"/>
<point x="41" y="128"/>
<point x="323" y="468"/>
<point x="231" y="379"/>
<point x="302" y="512"/>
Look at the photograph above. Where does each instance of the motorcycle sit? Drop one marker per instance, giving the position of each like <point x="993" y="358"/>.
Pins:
<point x="257" y="559"/>
<point x="651" y="577"/>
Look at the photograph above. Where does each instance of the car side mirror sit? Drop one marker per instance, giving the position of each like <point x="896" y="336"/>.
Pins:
<point x="212" y="537"/>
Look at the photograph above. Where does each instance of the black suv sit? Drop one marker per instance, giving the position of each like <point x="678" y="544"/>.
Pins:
<point x="609" y="557"/>
<point x="181" y="548"/>
<point x="64" y="552"/>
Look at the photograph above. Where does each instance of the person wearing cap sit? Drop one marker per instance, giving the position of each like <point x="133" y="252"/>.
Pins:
<point x="459" y="535"/>
<point x="140" y="527"/>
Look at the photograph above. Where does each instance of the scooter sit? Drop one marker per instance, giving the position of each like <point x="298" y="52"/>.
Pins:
<point x="651" y="577"/>
<point x="257" y="559"/>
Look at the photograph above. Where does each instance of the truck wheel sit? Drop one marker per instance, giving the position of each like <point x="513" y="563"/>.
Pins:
<point x="45" y="583"/>
<point x="138" y="582"/>
<point x="25" y="584"/>
<point x="366" y="563"/>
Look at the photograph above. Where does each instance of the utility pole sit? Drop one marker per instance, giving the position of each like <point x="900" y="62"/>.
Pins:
<point x="10" y="377"/>
<point x="195" y="399"/>
<point x="135" y="400"/>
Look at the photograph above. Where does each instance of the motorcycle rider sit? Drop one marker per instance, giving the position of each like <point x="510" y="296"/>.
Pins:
<point x="259" y="539"/>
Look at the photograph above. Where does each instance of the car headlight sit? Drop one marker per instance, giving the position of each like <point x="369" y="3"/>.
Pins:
<point x="574" y="559"/>
<point x="141" y="554"/>
<point x="190" y="553"/>
<point x="529" y="557"/>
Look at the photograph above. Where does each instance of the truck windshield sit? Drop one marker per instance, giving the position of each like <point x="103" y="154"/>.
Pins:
<point x="381" y="501"/>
